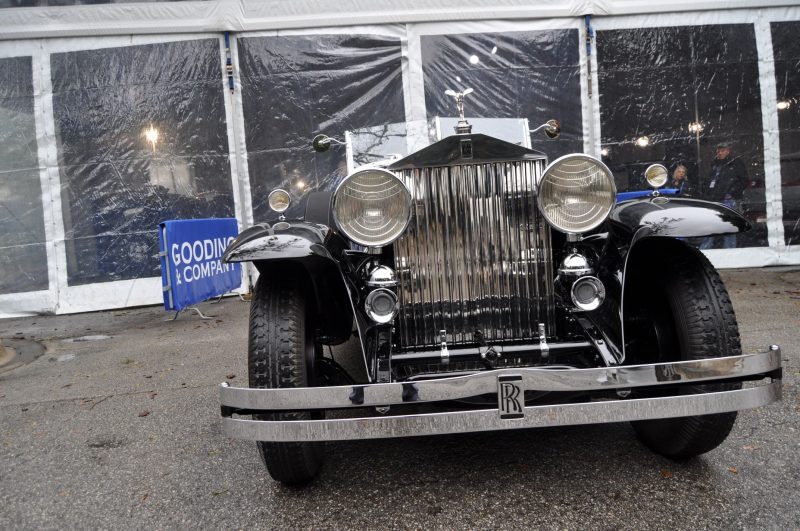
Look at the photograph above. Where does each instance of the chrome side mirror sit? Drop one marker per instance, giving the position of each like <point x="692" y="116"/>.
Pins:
<point x="552" y="129"/>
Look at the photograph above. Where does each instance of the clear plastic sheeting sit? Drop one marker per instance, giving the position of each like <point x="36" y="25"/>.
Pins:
<point x="786" y="50"/>
<point x="142" y="138"/>
<point x="526" y="74"/>
<point x="674" y="95"/>
<point x="23" y="258"/>
<point x="295" y="87"/>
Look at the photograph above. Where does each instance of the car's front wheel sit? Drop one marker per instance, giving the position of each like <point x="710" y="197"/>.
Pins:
<point x="281" y="354"/>
<point x="686" y="314"/>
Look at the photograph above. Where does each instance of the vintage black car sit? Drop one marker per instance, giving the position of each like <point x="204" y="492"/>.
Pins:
<point x="489" y="290"/>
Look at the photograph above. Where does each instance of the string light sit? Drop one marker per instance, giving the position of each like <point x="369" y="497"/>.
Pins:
<point x="696" y="127"/>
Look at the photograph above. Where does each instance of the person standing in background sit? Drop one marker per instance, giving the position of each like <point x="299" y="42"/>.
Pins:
<point x="726" y="183"/>
<point x="680" y="181"/>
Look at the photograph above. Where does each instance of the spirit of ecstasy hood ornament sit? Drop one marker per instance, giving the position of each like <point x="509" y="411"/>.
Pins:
<point x="462" y="127"/>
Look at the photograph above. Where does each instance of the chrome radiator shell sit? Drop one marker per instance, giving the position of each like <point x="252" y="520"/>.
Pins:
<point x="476" y="256"/>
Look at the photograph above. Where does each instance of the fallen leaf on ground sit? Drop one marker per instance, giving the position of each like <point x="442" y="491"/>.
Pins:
<point x="153" y="395"/>
<point x="65" y="386"/>
<point x="144" y="497"/>
<point x="733" y="470"/>
<point x="230" y="376"/>
<point x="148" y="375"/>
<point x="666" y="473"/>
<point x="749" y="447"/>
<point x="144" y="413"/>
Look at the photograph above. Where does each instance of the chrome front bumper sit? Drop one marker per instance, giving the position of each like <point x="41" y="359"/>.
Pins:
<point x="504" y="383"/>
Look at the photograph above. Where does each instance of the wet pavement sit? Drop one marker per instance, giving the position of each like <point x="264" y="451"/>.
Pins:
<point x="112" y="421"/>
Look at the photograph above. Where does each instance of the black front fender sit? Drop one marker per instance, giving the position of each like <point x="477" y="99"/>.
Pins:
<point x="676" y="218"/>
<point x="294" y="240"/>
<point x="315" y="249"/>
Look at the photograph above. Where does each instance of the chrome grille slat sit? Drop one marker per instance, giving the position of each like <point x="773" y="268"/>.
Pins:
<point x="476" y="255"/>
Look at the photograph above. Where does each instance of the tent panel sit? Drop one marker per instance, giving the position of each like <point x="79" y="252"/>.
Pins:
<point x="787" y="79"/>
<point x="670" y="95"/>
<point x="23" y="257"/>
<point x="297" y="86"/>
<point x="526" y="74"/>
<point x="142" y="138"/>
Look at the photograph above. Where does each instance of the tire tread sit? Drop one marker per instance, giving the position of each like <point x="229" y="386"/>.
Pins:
<point x="703" y="309"/>
<point x="276" y="359"/>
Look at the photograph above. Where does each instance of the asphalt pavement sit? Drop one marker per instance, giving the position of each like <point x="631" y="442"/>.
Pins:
<point x="111" y="420"/>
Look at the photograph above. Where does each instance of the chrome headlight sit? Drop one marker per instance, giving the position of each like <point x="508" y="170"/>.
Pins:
<point x="372" y="207"/>
<point x="576" y="193"/>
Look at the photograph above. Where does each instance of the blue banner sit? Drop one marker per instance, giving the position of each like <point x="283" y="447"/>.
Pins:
<point x="191" y="260"/>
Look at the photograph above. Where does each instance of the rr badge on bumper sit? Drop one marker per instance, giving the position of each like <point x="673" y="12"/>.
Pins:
<point x="510" y="397"/>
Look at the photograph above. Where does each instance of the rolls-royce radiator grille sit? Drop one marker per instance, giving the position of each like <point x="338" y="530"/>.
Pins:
<point x="476" y="256"/>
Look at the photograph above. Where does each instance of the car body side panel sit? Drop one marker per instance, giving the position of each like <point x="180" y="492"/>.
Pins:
<point x="676" y="217"/>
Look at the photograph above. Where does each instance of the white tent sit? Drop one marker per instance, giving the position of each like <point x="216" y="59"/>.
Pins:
<point x="117" y="115"/>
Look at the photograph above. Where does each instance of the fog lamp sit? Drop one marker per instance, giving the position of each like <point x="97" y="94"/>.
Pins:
<point x="381" y="305"/>
<point x="656" y="175"/>
<point x="588" y="293"/>
<point x="279" y="200"/>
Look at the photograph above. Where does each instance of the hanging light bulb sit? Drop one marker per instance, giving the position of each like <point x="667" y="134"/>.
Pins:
<point x="643" y="141"/>
<point x="783" y="105"/>
<point x="151" y="135"/>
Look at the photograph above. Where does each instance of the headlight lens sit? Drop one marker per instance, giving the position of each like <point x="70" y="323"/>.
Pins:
<point x="372" y="207"/>
<point x="576" y="193"/>
<point x="279" y="200"/>
<point x="656" y="175"/>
